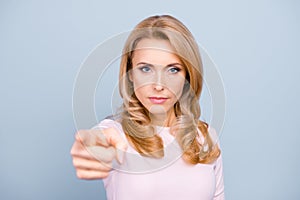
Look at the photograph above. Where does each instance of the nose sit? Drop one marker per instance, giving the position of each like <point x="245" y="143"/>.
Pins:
<point x="158" y="83"/>
<point x="158" y="87"/>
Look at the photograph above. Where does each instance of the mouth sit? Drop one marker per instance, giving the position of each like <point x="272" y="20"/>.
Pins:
<point x="158" y="100"/>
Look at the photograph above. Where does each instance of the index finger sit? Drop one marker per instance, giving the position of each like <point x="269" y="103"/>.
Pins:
<point x="93" y="137"/>
<point x="114" y="138"/>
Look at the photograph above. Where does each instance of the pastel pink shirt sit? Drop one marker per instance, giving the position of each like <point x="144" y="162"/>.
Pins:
<point x="169" y="178"/>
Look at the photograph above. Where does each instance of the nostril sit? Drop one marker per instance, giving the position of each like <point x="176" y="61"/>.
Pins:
<point x="158" y="87"/>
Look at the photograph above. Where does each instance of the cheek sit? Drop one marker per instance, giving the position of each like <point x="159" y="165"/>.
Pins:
<point x="140" y="81"/>
<point x="141" y="91"/>
<point x="176" y="87"/>
<point x="140" y="88"/>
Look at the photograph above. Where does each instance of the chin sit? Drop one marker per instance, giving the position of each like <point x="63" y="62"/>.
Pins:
<point x="158" y="110"/>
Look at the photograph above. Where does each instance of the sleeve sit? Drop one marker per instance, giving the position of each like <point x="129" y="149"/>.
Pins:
<point x="219" y="192"/>
<point x="104" y="124"/>
<point x="218" y="169"/>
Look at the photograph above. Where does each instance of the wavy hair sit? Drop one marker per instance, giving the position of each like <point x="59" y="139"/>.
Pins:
<point x="135" y="119"/>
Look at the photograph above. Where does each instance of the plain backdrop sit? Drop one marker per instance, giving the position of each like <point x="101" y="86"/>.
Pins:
<point x="255" y="45"/>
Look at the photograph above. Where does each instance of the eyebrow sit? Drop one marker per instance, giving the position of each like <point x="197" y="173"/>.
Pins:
<point x="171" y="64"/>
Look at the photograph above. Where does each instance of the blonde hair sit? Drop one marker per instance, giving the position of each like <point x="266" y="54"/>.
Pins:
<point x="135" y="118"/>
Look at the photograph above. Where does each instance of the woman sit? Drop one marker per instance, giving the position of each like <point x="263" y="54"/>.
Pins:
<point x="169" y="152"/>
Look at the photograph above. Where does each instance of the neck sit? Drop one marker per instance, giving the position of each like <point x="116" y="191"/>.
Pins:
<point x="165" y="119"/>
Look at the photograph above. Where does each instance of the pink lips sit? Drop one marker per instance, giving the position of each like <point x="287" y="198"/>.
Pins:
<point x="158" y="100"/>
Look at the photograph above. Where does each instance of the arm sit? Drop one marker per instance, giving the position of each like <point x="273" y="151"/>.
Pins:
<point x="219" y="193"/>
<point x="94" y="150"/>
<point x="218" y="169"/>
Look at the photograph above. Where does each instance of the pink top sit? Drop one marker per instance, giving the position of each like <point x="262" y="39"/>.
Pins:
<point x="169" y="178"/>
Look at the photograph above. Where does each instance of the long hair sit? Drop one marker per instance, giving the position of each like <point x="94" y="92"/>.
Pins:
<point x="135" y="119"/>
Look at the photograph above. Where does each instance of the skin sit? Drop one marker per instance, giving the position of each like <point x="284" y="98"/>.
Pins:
<point x="88" y="144"/>
<point x="157" y="72"/>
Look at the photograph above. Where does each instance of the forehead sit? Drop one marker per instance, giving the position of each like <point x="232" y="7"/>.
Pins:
<point x="155" y="51"/>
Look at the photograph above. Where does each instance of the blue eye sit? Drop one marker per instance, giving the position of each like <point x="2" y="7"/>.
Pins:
<point x="174" y="70"/>
<point x="145" y="68"/>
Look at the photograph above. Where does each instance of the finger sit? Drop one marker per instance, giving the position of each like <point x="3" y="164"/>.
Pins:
<point x="91" y="174"/>
<point x="91" y="137"/>
<point x="114" y="138"/>
<point x="80" y="151"/>
<point x="102" y="154"/>
<point x="99" y="153"/>
<point x="81" y="164"/>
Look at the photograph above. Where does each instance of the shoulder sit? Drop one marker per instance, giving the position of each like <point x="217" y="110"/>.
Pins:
<point x="213" y="134"/>
<point x="211" y="130"/>
<point x="107" y="122"/>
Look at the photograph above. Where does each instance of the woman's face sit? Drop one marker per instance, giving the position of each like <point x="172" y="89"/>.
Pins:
<point x="158" y="76"/>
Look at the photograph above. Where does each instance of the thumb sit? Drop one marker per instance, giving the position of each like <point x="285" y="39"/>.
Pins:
<point x="114" y="139"/>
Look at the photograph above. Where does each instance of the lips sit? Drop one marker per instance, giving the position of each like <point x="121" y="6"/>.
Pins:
<point x="158" y="100"/>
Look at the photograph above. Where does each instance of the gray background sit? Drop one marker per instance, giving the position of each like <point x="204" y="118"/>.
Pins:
<point x="255" y="45"/>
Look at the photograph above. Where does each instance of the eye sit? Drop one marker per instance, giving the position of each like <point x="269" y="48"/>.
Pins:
<point x="174" y="70"/>
<point x="145" y="68"/>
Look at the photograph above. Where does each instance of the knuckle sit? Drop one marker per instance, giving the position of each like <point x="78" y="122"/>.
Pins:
<point x="76" y="149"/>
<point x="73" y="150"/>
<point x="79" y="134"/>
<point x="80" y="174"/>
<point x="108" y="132"/>
<point x="80" y="131"/>
<point x="104" y="175"/>
<point x="75" y="163"/>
